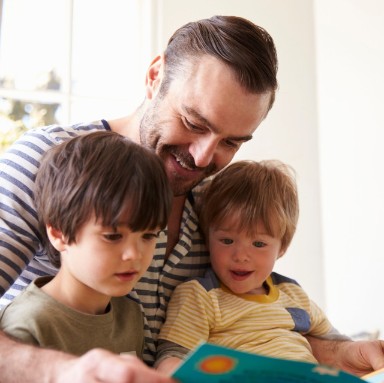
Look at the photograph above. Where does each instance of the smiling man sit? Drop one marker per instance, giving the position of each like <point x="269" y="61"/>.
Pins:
<point x="198" y="122"/>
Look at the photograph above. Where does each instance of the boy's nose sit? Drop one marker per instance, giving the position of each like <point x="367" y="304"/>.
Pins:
<point x="240" y="255"/>
<point x="131" y="252"/>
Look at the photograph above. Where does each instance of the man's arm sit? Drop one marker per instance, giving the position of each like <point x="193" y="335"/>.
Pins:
<point x="168" y="365"/>
<point x="356" y="357"/>
<point x="28" y="364"/>
<point x="169" y="356"/>
<point x="18" y="217"/>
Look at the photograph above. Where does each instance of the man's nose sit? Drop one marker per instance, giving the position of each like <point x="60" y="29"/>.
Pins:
<point x="203" y="151"/>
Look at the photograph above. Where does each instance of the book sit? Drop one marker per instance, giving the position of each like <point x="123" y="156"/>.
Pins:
<point x="375" y="377"/>
<point x="210" y="363"/>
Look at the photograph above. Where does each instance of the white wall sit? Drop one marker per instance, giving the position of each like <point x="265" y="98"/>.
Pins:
<point x="350" y="52"/>
<point x="290" y="131"/>
<point x="328" y="116"/>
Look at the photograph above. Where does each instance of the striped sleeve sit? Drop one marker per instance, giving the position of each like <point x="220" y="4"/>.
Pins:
<point x="320" y="324"/>
<point x="18" y="218"/>
<point x="190" y="316"/>
<point x="21" y="255"/>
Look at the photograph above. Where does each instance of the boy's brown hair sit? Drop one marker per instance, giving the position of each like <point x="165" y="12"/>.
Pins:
<point x="257" y="191"/>
<point x="102" y="175"/>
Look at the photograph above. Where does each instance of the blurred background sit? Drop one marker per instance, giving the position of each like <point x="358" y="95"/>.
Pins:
<point x="68" y="61"/>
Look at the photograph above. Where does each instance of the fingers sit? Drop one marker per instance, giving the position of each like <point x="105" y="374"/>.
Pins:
<point x="376" y="355"/>
<point x="110" y="368"/>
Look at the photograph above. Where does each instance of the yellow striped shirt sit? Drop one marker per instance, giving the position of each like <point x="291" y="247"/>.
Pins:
<point x="273" y="324"/>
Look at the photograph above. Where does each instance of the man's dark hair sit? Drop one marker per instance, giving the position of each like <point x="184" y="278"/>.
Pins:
<point x="245" y="47"/>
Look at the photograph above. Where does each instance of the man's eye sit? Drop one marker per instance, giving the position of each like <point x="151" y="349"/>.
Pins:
<point x="112" y="237"/>
<point x="259" y="244"/>
<point x="191" y="126"/>
<point x="231" y="144"/>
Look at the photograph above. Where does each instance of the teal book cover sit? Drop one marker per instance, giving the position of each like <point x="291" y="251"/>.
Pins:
<point x="216" y="364"/>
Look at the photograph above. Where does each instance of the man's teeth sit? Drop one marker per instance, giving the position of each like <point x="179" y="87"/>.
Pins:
<point x="183" y="164"/>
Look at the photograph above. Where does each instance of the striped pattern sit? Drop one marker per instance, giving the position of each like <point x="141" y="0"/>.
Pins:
<point x="260" y="324"/>
<point x="22" y="259"/>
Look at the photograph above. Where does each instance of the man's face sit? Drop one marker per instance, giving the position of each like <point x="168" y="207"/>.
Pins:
<point x="201" y="122"/>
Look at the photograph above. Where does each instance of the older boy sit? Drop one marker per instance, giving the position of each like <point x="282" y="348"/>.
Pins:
<point x="101" y="200"/>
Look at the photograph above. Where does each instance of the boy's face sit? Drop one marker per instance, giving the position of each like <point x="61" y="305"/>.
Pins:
<point x="105" y="262"/>
<point x="242" y="263"/>
<point x="201" y="122"/>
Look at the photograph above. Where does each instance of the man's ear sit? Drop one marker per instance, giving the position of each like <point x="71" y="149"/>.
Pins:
<point x="56" y="238"/>
<point x="154" y="76"/>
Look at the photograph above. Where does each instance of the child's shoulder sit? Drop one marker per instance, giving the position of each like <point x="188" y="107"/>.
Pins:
<point x="280" y="279"/>
<point x="208" y="281"/>
<point x="31" y="303"/>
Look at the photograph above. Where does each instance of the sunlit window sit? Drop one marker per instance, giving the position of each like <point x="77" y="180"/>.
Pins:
<point x="67" y="61"/>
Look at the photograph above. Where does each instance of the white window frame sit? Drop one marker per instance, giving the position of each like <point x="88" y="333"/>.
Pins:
<point x="149" y="42"/>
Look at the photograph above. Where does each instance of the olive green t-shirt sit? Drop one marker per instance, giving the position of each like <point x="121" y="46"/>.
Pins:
<point x="35" y="317"/>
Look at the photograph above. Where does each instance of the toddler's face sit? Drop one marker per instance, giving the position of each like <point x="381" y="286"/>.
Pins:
<point x="243" y="262"/>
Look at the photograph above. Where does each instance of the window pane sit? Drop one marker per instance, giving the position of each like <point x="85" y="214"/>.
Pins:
<point x="107" y="54"/>
<point x="16" y="116"/>
<point x="34" y="41"/>
<point x="29" y="113"/>
<point x="67" y="61"/>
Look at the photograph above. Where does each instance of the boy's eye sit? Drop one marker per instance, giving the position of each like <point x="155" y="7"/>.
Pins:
<point x="227" y="241"/>
<point x="112" y="237"/>
<point x="150" y="236"/>
<point x="259" y="244"/>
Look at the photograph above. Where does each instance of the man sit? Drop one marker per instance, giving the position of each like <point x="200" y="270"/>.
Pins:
<point x="205" y="96"/>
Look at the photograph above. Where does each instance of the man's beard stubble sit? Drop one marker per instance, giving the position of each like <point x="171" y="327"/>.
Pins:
<point x="150" y="137"/>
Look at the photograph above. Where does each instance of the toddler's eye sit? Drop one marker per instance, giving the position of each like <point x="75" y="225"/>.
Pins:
<point x="227" y="241"/>
<point x="258" y="244"/>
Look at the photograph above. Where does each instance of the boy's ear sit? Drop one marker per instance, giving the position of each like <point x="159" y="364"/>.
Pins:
<point x="281" y="253"/>
<point x="154" y="76"/>
<point x="56" y="238"/>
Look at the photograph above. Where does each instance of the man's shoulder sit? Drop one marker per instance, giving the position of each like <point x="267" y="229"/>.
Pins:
<point x="197" y="192"/>
<point x="58" y="133"/>
<point x="36" y="140"/>
<point x="199" y="188"/>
